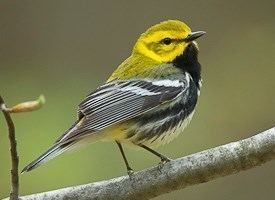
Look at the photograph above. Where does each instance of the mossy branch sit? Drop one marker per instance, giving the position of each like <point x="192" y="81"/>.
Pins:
<point x="178" y="174"/>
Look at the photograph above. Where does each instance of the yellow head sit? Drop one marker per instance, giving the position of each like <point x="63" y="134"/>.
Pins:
<point x="165" y="41"/>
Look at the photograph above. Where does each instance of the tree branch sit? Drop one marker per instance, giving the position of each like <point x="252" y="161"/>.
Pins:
<point x="190" y="170"/>
<point x="21" y="107"/>
<point x="13" y="152"/>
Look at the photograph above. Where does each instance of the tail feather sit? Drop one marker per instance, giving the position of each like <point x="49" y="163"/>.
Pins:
<point x="54" y="151"/>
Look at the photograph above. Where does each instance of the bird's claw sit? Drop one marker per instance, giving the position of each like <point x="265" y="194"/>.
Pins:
<point x="130" y="172"/>
<point x="163" y="161"/>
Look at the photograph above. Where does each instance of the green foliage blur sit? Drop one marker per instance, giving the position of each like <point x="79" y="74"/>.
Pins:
<point x="65" y="49"/>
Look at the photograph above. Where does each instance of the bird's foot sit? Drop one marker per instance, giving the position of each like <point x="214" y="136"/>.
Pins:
<point x="130" y="172"/>
<point x="163" y="160"/>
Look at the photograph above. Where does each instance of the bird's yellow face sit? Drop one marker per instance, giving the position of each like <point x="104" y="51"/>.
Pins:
<point x="165" y="41"/>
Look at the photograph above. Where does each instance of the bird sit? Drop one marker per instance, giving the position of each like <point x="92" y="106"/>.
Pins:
<point x="146" y="102"/>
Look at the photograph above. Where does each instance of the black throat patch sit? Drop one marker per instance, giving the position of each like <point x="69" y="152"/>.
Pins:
<point x="188" y="62"/>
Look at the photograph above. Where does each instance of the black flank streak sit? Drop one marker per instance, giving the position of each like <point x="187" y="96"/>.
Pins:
<point x="178" y="112"/>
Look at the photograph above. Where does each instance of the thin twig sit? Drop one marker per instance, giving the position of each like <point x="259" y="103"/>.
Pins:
<point x="177" y="174"/>
<point x="13" y="152"/>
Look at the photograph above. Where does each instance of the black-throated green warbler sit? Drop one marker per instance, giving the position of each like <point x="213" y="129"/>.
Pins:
<point x="147" y="101"/>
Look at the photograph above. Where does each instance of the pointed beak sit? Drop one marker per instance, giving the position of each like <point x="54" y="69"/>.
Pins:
<point x="194" y="35"/>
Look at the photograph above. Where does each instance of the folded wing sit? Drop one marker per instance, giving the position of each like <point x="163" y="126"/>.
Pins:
<point x="118" y="101"/>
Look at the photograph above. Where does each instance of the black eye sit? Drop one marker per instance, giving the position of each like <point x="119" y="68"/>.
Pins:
<point x="167" y="41"/>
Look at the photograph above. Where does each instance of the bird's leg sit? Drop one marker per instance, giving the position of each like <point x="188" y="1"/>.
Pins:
<point x="163" y="158"/>
<point x="129" y="169"/>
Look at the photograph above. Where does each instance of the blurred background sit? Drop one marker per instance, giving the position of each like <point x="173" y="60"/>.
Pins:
<point x="64" y="49"/>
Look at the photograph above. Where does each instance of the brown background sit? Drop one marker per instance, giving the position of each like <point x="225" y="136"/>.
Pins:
<point x="64" y="49"/>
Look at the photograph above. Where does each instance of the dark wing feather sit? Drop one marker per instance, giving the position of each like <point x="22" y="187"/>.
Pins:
<point x="121" y="100"/>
